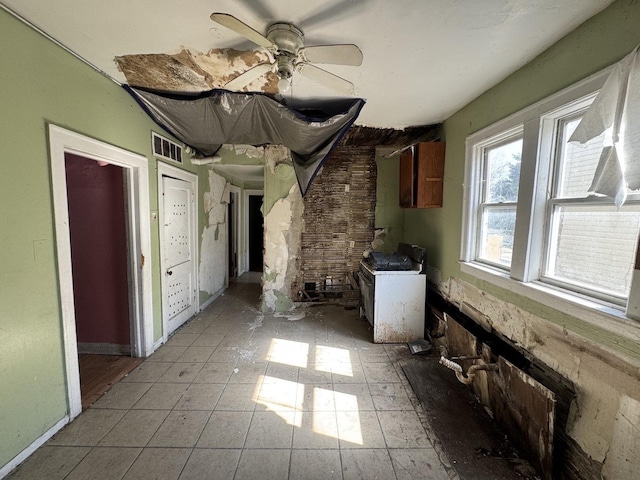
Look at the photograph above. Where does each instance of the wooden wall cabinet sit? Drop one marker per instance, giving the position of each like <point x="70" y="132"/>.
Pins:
<point x="422" y="175"/>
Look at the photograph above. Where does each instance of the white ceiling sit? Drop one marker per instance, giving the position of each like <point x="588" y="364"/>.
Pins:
<point x="423" y="59"/>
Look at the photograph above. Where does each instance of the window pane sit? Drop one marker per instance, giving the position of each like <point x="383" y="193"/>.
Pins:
<point x="503" y="171"/>
<point x="496" y="234"/>
<point x="594" y="247"/>
<point x="578" y="162"/>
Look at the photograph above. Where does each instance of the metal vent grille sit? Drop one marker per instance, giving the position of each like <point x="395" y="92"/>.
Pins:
<point x="165" y="148"/>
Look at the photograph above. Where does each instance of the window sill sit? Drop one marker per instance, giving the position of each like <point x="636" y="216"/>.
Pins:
<point x="597" y="314"/>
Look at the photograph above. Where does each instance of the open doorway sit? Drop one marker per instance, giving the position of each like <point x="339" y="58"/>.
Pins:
<point x="97" y="201"/>
<point x="256" y="233"/>
<point x="134" y="173"/>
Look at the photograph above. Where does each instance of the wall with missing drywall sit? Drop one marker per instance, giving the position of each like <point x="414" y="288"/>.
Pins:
<point x="339" y="211"/>
<point x="323" y="235"/>
<point x="602" y="361"/>
<point x="282" y="210"/>
<point x="283" y="224"/>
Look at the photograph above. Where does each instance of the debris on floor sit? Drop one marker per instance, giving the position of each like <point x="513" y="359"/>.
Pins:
<point x="419" y="346"/>
<point x="470" y="439"/>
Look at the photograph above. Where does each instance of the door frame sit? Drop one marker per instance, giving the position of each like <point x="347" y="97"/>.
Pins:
<point x="245" y="209"/>
<point x="135" y="170"/>
<point x="179" y="174"/>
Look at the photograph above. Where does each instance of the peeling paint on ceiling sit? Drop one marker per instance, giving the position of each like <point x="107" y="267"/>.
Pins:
<point x="190" y="71"/>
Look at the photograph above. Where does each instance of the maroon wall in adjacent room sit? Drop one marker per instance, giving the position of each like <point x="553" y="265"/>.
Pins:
<point x="97" y="224"/>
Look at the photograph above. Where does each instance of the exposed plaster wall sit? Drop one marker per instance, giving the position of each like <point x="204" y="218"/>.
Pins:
<point x="213" y="245"/>
<point x="604" y="419"/>
<point x="282" y="250"/>
<point x="282" y="209"/>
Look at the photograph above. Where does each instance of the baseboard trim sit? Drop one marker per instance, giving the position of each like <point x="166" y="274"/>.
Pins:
<point x="212" y="298"/>
<point x="27" y="452"/>
<point x="158" y="343"/>
<point x="103" y="348"/>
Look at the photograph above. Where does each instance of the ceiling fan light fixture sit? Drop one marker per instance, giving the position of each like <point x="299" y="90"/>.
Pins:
<point x="284" y="85"/>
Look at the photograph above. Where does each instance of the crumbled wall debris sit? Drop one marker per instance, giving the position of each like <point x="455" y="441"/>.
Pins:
<point x="213" y="243"/>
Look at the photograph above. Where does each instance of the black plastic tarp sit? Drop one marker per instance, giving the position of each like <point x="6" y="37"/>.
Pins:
<point x="210" y="119"/>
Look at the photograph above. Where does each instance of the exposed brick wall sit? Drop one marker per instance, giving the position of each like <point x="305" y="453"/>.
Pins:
<point x="333" y="217"/>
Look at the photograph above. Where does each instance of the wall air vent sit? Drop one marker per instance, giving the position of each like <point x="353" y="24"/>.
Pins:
<point x="165" y="148"/>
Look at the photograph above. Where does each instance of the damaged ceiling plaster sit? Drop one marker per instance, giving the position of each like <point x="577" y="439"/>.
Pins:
<point x="190" y="71"/>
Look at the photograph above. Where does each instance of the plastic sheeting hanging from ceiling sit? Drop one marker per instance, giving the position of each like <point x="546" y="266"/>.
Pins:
<point x="208" y="120"/>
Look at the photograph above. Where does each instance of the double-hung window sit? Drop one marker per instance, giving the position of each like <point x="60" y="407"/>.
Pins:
<point x="532" y="223"/>
<point x="590" y="243"/>
<point x="500" y="175"/>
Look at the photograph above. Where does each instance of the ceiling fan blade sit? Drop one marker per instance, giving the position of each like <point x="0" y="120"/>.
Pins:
<point x="323" y="77"/>
<point x="336" y="54"/>
<point x="241" y="28"/>
<point x="249" y="76"/>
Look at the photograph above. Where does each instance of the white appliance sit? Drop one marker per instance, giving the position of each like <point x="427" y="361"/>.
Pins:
<point x="393" y="292"/>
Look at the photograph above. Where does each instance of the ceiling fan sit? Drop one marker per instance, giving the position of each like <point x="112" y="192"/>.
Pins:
<point x="285" y="43"/>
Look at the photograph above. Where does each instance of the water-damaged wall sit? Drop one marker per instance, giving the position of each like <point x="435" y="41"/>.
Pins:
<point x="604" y="418"/>
<point x="601" y="360"/>
<point x="282" y="210"/>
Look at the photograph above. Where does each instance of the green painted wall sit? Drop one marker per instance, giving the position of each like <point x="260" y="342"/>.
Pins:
<point x="389" y="215"/>
<point x="596" y="44"/>
<point x="40" y="84"/>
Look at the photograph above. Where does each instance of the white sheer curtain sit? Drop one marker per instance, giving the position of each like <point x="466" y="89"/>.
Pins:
<point x="616" y="111"/>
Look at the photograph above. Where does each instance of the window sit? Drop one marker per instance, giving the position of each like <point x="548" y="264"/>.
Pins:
<point x="499" y="196"/>
<point x="530" y="222"/>
<point x="590" y="243"/>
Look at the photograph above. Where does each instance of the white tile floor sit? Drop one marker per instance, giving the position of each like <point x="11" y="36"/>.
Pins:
<point x="237" y="394"/>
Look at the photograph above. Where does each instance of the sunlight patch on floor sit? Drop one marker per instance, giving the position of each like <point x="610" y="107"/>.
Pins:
<point x="282" y="397"/>
<point x="288" y="352"/>
<point x="334" y="360"/>
<point x="334" y="414"/>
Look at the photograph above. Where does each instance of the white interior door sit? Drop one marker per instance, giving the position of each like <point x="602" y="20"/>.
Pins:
<point x="178" y="253"/>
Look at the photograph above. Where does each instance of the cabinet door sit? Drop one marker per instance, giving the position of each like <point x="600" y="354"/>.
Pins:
<point x="407" y="177"/>
<point x="430" y="174"/>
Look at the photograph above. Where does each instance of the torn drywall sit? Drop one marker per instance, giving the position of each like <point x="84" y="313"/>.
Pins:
<point x="607" y="385"/>
<point x="247" y="150"/>
<point x="283" y="230"/>
<point x="214" y="236"/>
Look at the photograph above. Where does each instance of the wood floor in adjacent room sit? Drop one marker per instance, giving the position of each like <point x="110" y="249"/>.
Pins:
<point x="99" y="372"/>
